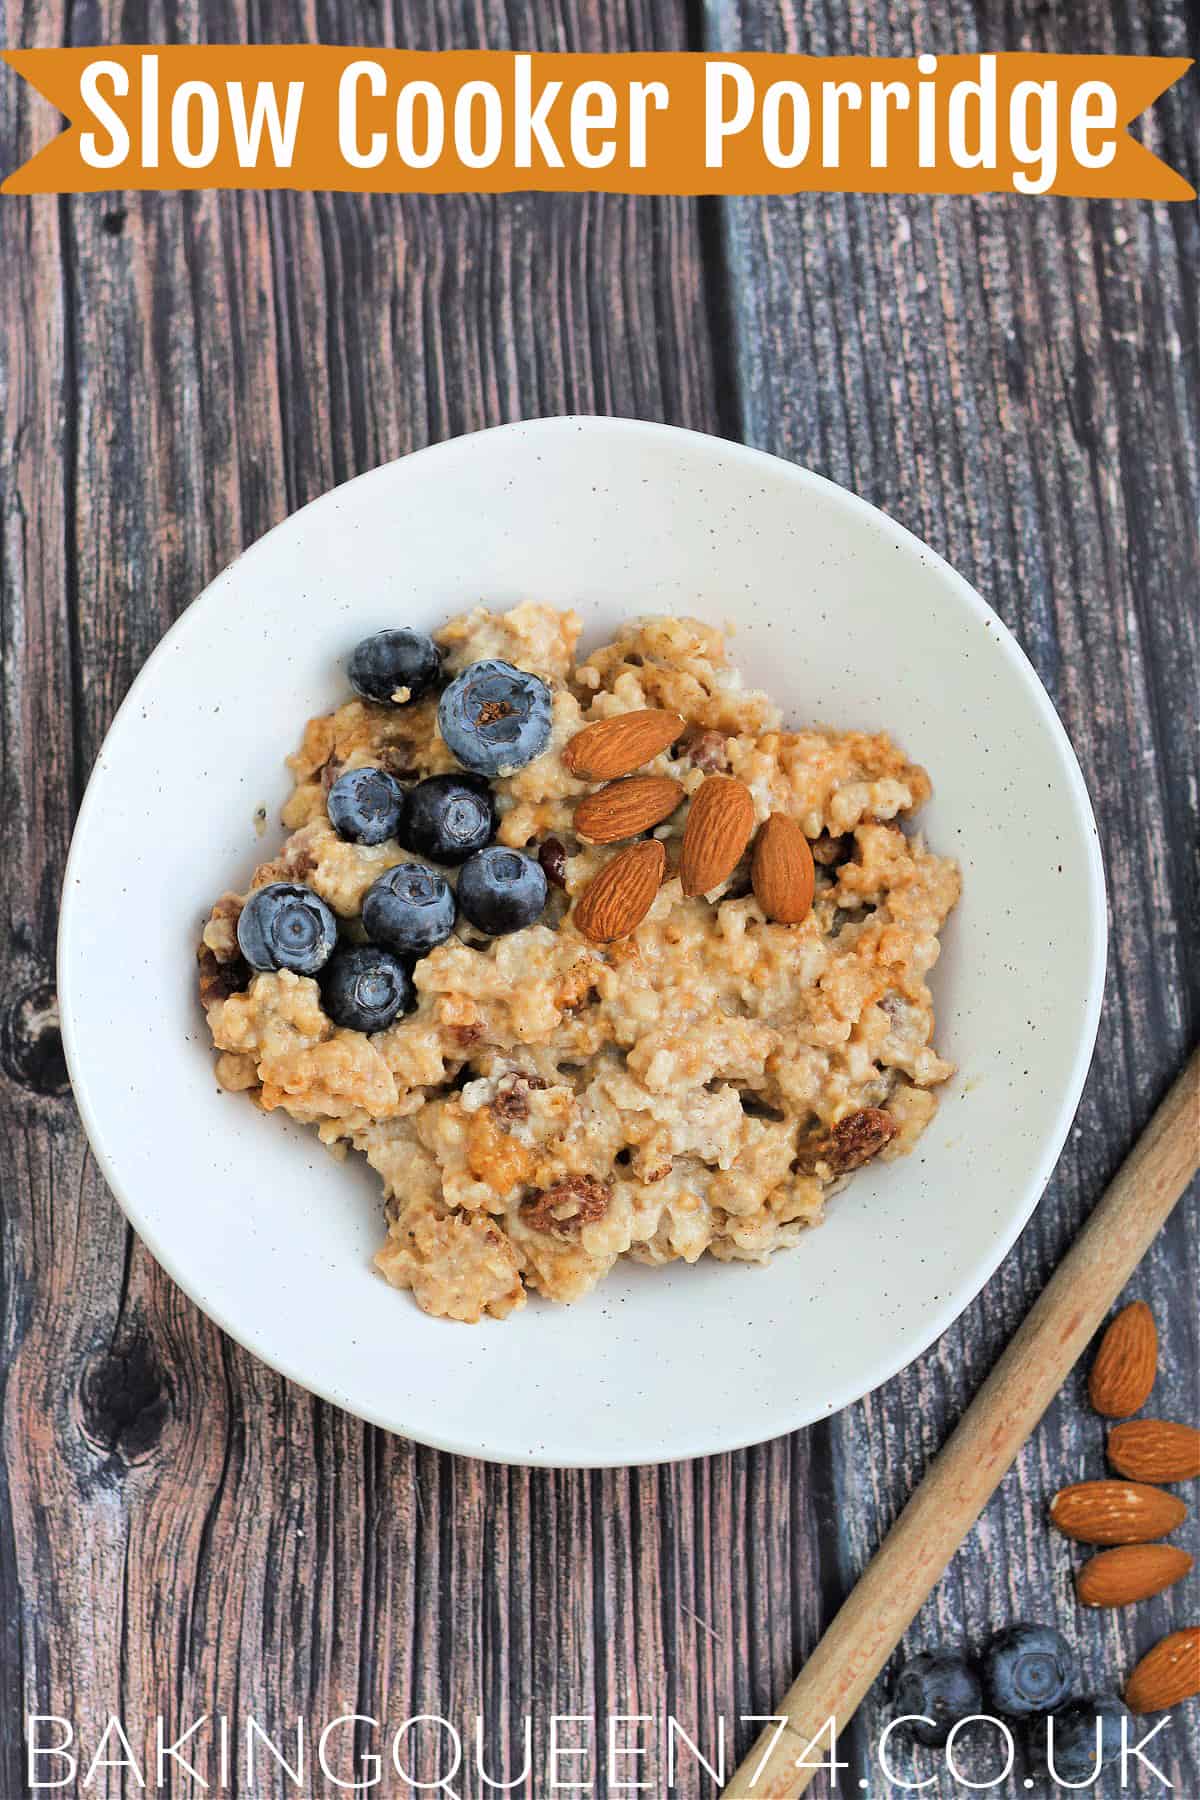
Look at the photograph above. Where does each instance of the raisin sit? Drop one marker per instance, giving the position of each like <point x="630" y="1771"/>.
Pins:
<point x="706" y="749"/>
<point x="553" y="858"/>
<point x="853" y="1141"/>
<point x="567" y="1206"/>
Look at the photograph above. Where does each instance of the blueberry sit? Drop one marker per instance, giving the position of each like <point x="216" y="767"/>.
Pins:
<point x="1028" y="1669"/>
<point x="1075" y="1735"/>
<point x="409" y="910"/>
<point x="940" y="1685"/>
<point x="366" y="806"/>
<point x="449" y="817"/>
<point x="501" y="890"/>
<point x="495" y="717"/>
<point x="284" y="926"/>
<point x="365" y="988"/>
<point x="391" y="662"/>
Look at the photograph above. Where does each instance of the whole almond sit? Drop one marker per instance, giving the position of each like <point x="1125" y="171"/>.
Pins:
<point x="782" y="871"/>
<point x="1115" y="1512"/>
<point x="619" y="897"/>
<point x="1134" y="1572"/>
<point x="625" y="808"/>
<point x="1167" y="1674"/>
<point x="719" y="823"/>
<point x="618" y="746"/>
<point x="1155" y="1450"/>
<point x="1126" y="1363"/>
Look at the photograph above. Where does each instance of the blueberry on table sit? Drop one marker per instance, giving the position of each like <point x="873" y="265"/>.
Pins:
<point x="366" y="806"/>
<point x="1028" y="1669"/>
<point x="409" y="910"/>
<point x="495" y="717"/>
<point x="365" y="988"/>
<point x="501" y="890"/>
<point x="286" y="926"/>
<point x="941" y="1687"/>
<point x="394" y="668"/>
<point x="1086" y="1737"/>
<point x="449" y="817"/>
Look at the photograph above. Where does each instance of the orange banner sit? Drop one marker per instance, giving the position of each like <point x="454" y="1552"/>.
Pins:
<point x="489" y="121"/>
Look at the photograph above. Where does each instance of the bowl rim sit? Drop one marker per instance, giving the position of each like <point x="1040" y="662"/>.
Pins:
<point x="971" y="1285"/>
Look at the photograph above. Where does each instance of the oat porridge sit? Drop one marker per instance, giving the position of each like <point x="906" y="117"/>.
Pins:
<point x="589" y="959"/>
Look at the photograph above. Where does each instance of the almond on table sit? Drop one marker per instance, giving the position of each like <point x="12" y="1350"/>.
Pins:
<point x="1167" y="1674"/>
<point x="1115" y="1512"/>
<point x="1131" y="1572"/>
<point x="1155" y="1450"/>
<point x="1126" y="1363"/>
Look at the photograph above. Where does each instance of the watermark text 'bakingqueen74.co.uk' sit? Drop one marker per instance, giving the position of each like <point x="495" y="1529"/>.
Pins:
<point x="559" y="1753"/>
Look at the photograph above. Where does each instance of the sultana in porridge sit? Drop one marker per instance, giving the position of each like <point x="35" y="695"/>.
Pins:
<point x="588" y="959"/>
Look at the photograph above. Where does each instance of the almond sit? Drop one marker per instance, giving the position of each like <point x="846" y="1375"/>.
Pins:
<point x="719" y="823"/>
<point x="1115" y="1512"/>
<point x="619" y="745"/>
<point x="623" y="809"/>
<point x="1134" y="1572"/>
<point x="1167" y="1674"/>
<point x="1126" y="1363"/>
<point x="1155" y="1450"/>
<point x="782" y="871"/>
<point x="621" y="895"/>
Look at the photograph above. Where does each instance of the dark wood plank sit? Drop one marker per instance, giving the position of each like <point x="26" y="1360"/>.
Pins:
<point x="1017" y="382"/>
<point x="182" y="1531"/>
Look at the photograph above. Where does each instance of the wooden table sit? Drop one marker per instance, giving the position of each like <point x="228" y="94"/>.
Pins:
<point x="181" y="1531"/>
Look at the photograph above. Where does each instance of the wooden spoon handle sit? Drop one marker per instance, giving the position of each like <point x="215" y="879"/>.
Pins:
<point x="982" y="1447"/>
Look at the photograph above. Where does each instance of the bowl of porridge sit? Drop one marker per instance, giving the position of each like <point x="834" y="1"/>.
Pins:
<point x="618" y="932"/>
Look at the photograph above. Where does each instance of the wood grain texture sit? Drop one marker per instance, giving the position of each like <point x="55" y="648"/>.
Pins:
<point x="1018" y="384"/>
<point x="180" y="1530"/>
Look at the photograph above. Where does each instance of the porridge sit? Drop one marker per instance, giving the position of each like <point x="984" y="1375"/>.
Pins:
<point x="589" y="959"/>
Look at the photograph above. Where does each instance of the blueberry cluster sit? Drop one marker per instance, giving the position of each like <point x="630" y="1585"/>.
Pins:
<point x="1026" y="1673"/>
<point x="494" y="719"/>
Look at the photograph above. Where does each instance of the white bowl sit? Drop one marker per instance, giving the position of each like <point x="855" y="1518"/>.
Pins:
<point x="847" y="620"/>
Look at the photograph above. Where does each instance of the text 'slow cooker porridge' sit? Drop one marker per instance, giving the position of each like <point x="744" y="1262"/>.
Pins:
<point x="549" y="1099"/>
